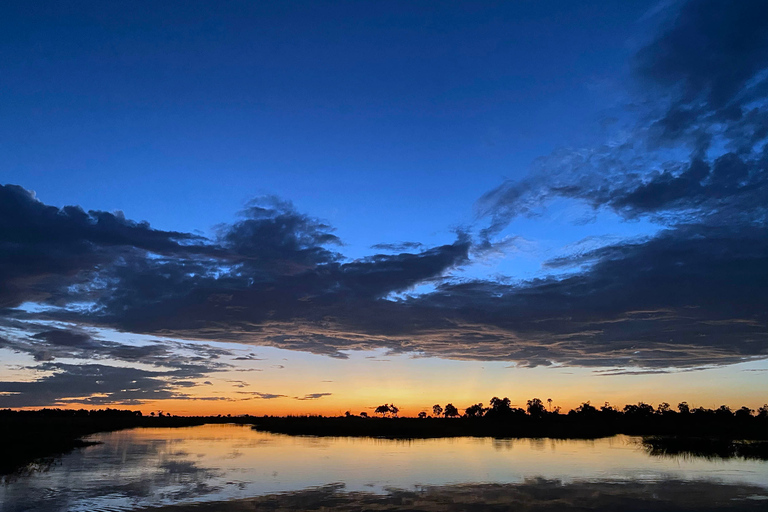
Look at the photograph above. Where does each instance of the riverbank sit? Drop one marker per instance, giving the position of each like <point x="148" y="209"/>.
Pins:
<point x="559" y="426"/>
<point x="32" y="439"/>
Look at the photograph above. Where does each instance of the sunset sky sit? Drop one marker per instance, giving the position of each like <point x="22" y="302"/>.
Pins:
<point x="315" y="207"/>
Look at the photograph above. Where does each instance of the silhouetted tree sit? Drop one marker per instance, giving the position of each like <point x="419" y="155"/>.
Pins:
<point x="474" y="411"/>
<point x="500" y="404"/>
<point x="724" y="412"/>
<point x="536" y="408"/>
<point x="744" y="413"/>
<point x="684" y="408"/>
<point x="641" y="410"/>
<point x="701" y="412"/>
<point x="382" y="409"/>
<point x="363" y="414"/>
<point x="500" y="408"/>
<point x="549" y="401"/>
<point x="762" y="412"/>
<point x="437" y="410"/>
<point x="422" y="415"/>
<point x="585" y="410"/>
<point x="451" y="411"/>
<point x="394" y="410"/>
<point x="663" y="409"/>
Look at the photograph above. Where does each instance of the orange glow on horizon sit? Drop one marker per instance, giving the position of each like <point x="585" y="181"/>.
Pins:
<point x="306" y="384"/>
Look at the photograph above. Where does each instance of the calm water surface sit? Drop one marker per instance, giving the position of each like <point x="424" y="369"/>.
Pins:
<point x="156" y="466"/>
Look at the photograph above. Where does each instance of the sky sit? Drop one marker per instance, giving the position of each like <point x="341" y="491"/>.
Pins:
<point x="316" y="207"/>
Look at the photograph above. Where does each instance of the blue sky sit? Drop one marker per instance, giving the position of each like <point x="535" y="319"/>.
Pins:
<point x="582" y="184"/>
<point x="389" y="121"/>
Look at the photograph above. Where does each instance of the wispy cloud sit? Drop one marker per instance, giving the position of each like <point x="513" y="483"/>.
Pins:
<point x="312" y="396"/>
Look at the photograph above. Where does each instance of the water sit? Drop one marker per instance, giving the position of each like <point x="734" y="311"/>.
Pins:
<point x="156" y="466"/>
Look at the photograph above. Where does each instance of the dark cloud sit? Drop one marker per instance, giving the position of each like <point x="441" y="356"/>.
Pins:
<point x="697" y="162"/>
<point x="724" y="189"/>
<point x="88" y="384"/>
<point x="274" y="238"/>
<point x="699" y="153"/>
<point x="709" y="64"/>
<point x="399" y="247"/>
<point x="178" y="360"/>
<point x="64" y="338"/>
<point x="43" y="248"/>
<point x="691" y="295"/>
<point x="160" y="296"/>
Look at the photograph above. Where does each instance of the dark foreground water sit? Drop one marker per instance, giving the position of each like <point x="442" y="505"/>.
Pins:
<point x="151" y="467"/>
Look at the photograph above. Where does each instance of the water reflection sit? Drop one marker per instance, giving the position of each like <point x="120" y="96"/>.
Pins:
<point x="144" y="467"/>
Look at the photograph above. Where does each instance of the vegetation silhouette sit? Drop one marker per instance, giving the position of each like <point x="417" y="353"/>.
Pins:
<point x="386" y="409"/>
<point x="662" y="425"/>
<point x="711" y="448"/>
<point x="451" y="411"/>
<point x="36" y="436"/>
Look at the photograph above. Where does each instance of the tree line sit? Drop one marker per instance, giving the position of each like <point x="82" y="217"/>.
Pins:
<point x="501" y="408"/>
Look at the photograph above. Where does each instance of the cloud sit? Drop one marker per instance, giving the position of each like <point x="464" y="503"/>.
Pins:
<point x="43" y="249"/>
<point x="621" y="371"/>
<point x="154" y="296"/>
<point x="694" y="294"/>
<point x="104" y="384"/>
<point x="312" y="396"/>
<point x="93" y="384"/>
<point x="65" y="338"/>
<point x="273" y="238"/>
<point x="698" y="151"/>
<point x="399" y="247"/>
<point x="709" y="64"/>
<point x="691" y="295"/>
<point x="249" y="357"/>
<point x="178" y="360"/>
<point x="259" y="395"/>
